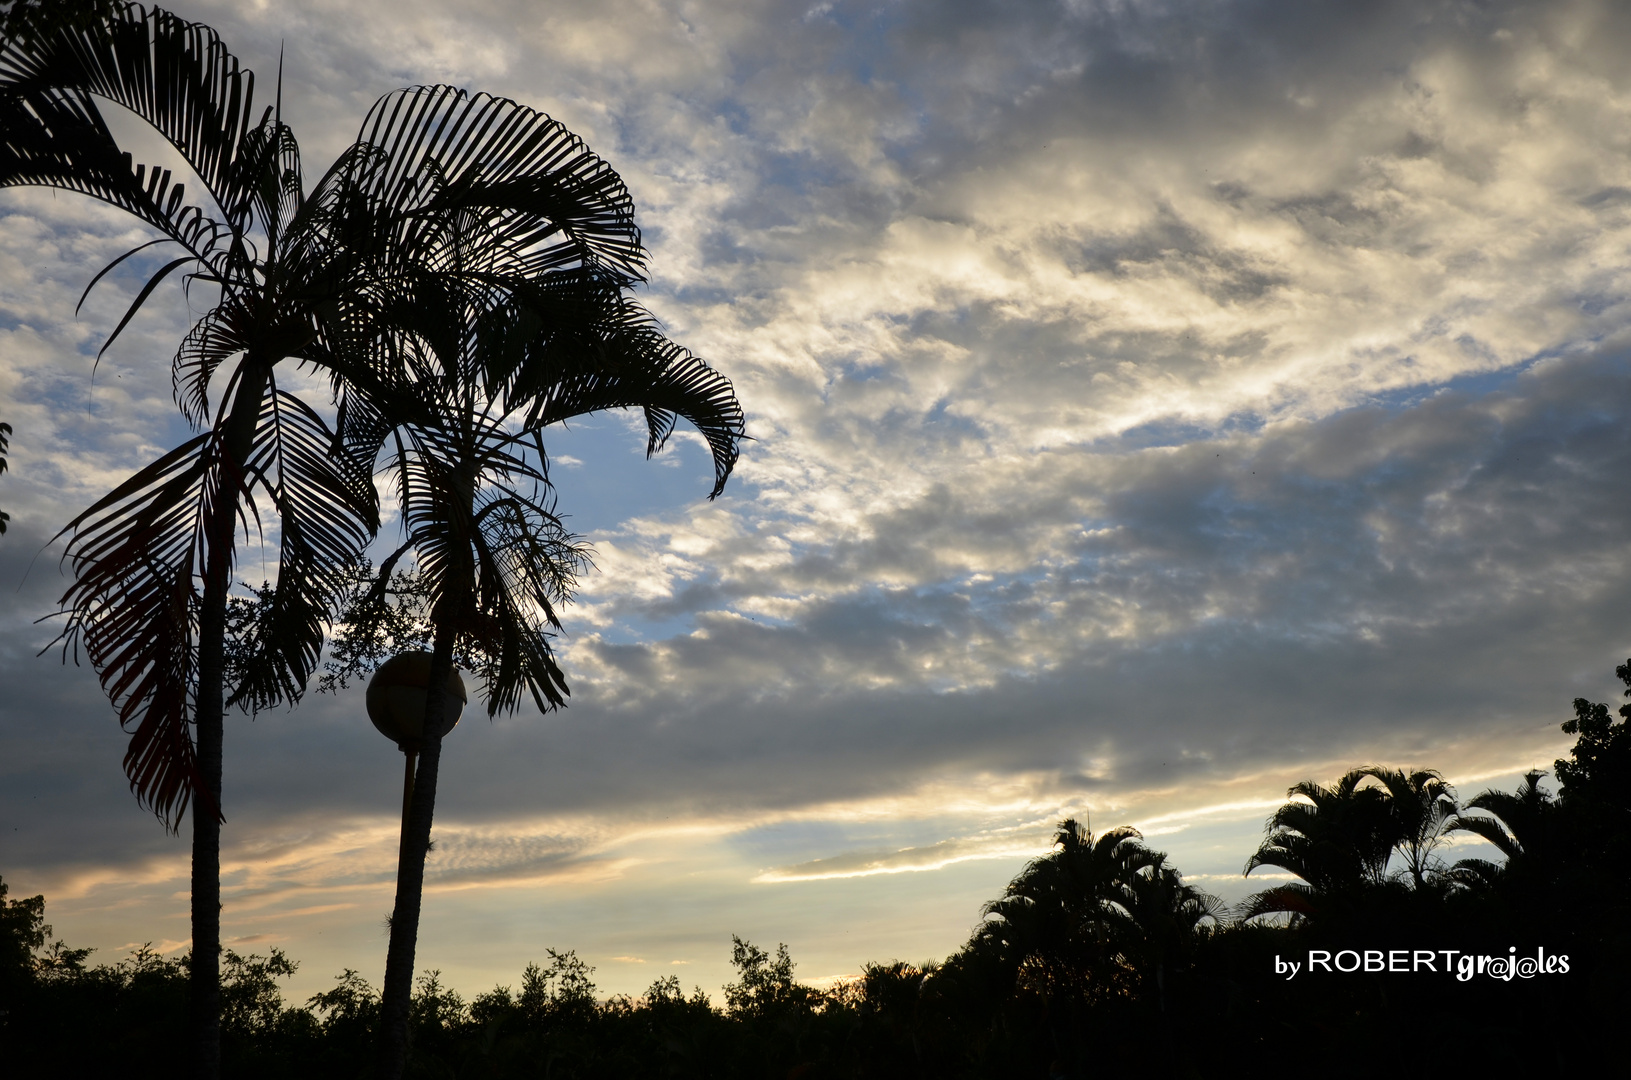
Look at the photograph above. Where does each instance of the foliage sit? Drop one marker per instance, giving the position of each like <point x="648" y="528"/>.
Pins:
<point x="1598" y="768"/>
<point x="765" y="986"/>
<point x="22" y="930"/>
<point x="24" y="20"/>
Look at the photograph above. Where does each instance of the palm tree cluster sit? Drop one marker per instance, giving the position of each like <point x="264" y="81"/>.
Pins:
<point x="1097" y="918"/>
<point x="1341" y="839"/>
<point x="460" y="277"/>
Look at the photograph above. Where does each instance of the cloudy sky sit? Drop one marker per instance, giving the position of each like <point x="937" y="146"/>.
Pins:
<point x="1155" y="404"/>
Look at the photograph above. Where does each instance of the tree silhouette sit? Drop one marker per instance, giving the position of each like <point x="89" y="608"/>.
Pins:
<point x="1062" y="924"/>
<point x="1420" y="806"/>
<point x="316" y="277"/>
<point x="1524" y="826"/>
<point x="1337" y="839"/>
<point x="1598" y="768"/>
<point x="1167" y="915"/>
<point x="476" y="375"/>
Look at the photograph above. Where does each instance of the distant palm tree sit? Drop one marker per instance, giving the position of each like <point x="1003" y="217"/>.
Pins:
<point x="1340" y="839"/>
<point x="309" y="276"/>
<point x="1337" y="839"/>
<point x="1421" y="804"/>
<point x="1063" y="923"/>
<point x="1524" y="826"/>
<point x="1167" y="915"/>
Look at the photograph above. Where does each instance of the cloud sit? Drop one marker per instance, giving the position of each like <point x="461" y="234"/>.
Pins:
<point x="906" y="860"/>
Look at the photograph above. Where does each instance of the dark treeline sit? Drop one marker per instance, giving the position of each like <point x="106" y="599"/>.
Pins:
<point x="1367" y="945"/>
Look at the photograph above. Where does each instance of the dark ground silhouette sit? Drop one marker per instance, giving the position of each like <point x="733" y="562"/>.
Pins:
<point x="1096" y="957"/>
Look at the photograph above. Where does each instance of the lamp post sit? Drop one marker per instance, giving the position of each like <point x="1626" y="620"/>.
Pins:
<point x="396" y="705"/>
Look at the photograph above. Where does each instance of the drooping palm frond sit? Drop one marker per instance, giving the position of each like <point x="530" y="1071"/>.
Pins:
<point x="175" y="75"/>
<point x="632" y="365"/>
<point x="223" y="332"/>
<point x="139" y="552"/>
<point x="564" y="347"/>
<point x="1491" y="831"/>
<point x="132" y="607"/>
<point x="1477" y="873"/>
<point x="61" y="141"/>
<point x="539" y="194"/>
<point x="495" y="561"/>
<point x="1293" y="898"/>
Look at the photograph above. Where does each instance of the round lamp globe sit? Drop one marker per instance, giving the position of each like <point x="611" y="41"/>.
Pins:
<point x="396" y="699"/>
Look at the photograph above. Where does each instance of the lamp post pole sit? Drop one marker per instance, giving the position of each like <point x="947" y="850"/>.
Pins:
<point x="410" y="756"/>
<point x="396" y="705"/>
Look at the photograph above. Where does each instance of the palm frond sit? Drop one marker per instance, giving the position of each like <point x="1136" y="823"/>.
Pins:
<point x="327" y="509"/>
<point x="175" y="75"/>
<point x="634" y="366"/>
<point x="543" y="198"/>
<point x="59" y="140"/>
<point x="527" y="563"/>
<point x="132" y="608"/>
<point x="1488" y="829"/>
<point x="1476" y="873"/>
<point x="217" y="337"/>
<point x="1293" y="898"/>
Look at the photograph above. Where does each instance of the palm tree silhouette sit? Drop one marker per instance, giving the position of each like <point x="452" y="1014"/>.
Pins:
<point x="1421" y="804"/>
<point x="1340" y="839"/>
<point x="1337" y="839"/>
<point x="477" y="374"/>
<point x="313" y="277"/>
<point x="1062" y="923"/>
<point x="1097" y="918"/>
<point x="1527" y="828"/>
<point x="1167" y="915"/>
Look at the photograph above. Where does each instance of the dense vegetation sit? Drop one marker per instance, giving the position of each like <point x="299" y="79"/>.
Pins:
<point x="1097" y="956"/>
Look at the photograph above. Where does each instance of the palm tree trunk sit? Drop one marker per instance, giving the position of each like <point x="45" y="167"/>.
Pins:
<point x="410" y="871"/>
<point x="204" y="984"/>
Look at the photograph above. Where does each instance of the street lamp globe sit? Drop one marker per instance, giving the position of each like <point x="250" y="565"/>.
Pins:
<point x="396" y="699"/>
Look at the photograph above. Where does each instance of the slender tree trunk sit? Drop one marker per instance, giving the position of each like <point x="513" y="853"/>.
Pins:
<point x="204" y="984"/>
<point x="410" y="871"/>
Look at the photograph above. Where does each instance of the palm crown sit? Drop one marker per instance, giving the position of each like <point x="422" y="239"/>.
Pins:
<point x="319" y="278"/>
